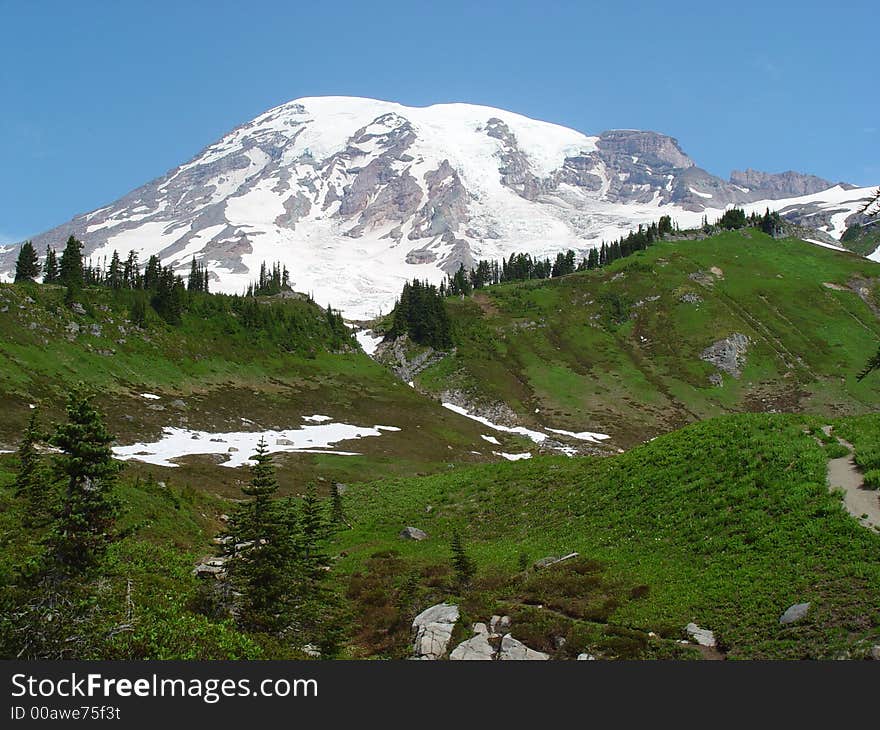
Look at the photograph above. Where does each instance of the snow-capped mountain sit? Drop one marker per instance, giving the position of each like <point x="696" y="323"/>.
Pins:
<point x="357" y="195"/>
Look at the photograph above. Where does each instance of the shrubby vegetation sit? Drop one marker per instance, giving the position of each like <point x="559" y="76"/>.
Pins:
<point x="420" y="314"/>
<point x="81" y="579"/>
<point x="156" y="288"/>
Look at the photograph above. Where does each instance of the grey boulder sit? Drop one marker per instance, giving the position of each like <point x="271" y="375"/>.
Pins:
<point x="513" y="650"/>
<point x="476" y="649"/>
<point x="432" y="630"/>
<point x="794" y="613"/>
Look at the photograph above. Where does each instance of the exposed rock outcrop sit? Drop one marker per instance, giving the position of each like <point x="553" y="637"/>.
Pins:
<point x="728" y="354"/>
<point x="432" y="630"/>
<point x="514" y="650"/>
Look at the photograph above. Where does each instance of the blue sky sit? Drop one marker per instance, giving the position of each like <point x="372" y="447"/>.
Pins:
<point x="97" y="98"/>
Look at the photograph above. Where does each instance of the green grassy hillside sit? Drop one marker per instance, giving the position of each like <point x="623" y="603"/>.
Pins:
<point x="212" y="371"/>
<point x="864" y="240"/>
<point x="618" y="350"/>
<point x="725" y="523"/>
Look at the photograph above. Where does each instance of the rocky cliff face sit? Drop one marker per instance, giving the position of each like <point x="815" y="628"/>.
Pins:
<point x="779" y="185"/>
<point x="357" y="195"/>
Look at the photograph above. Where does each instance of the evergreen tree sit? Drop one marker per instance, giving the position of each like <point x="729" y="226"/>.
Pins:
<point x="50" y="269"/>
<point x="319" y="612"/>
<point x="314" y="530"/>
<point x="31" y="481"/>
<point x="733" y="219"/>
<point x="70" y="272"/>
<point x="464" y="567"/>
<point x="114" y="273"/>
<point x="259" y="551"/>
<point x="137" y="312"/>
<point x="82" y="524"/>
<point x="169" y="297"/>
<point x="27" y="266"/>
<point x="421" y="314"/>
<point x="131" y="272"/>
<point x="152" y="273"/>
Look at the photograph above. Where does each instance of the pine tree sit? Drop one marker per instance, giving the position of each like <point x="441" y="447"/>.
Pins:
<point x="27" y="266"/>
<point x="82" y="524"/>
<point x="319" y="611"/>
<point x="31" y="481"/>
<point x="464" y="567"/>
<point x="71" y="265"/>
<point x="114" y="273"/>
<point x="314" y="530"/>
<point x="152" y="273"/>
<point x="51" y="267"/>
<point x="260" y="551"/>
<point x="131" y="272"/>
<point x="137" y="312"/>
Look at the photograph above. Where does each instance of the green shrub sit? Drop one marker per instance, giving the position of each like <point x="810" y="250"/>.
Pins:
<point x="872" y="479"/>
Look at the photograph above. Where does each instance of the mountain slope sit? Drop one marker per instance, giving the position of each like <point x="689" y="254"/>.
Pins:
<point x="725" y="523"/>
<point x="686" y="330"/>
<point x="215" y="375"/>
<point x="358" y="195"/>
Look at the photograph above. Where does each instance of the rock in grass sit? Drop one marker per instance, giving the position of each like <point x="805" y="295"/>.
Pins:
<point x="413" y="533"/>
<point x="513" y="650"/>
<point x="703" y="637"/>
<point x="476" y="649"/>
<point x="586" y="657"/>
<point x="433" y="630"/>
<point x="498" y="625"/>
<point x="552" y="560"/>
<point x="794" y="613"/>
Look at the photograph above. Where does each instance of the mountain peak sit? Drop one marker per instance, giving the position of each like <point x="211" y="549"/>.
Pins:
<point x="357" y="195"/>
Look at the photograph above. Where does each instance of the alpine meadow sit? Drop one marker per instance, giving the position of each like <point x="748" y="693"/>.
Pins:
<point x="363" y="380"/>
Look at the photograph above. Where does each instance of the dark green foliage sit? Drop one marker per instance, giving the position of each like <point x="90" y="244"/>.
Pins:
<point x="32" y="482"/>
<point x="870" y="366"/>
<point x="137" y="311"/>
<point x="614" y="306"/>
<point x="835" y="450"/>
<point x="522" y="267"/>
<point x="170" y="296"/>
<point x="277" y="564"/>
<point x="421" y="314"/>
<point x="259" y="551"/>
<point x="131" y="274"/>
<point x="114" y="274"/>
<point x="71" y="272"/>
<point x="320" y="618"/>
<point x="27" y="266"/>
<point x="50" y="269"/>
<point x="732" y="219"/>
<point x="771" y="223"/>
<point x="465" y="569"/>
<point x="872" y="479"/>
<point x="198" y="278"/>
<point x="564" y="264"/>
<point x="271" y="282"/>
<point x="83" y="521"/>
